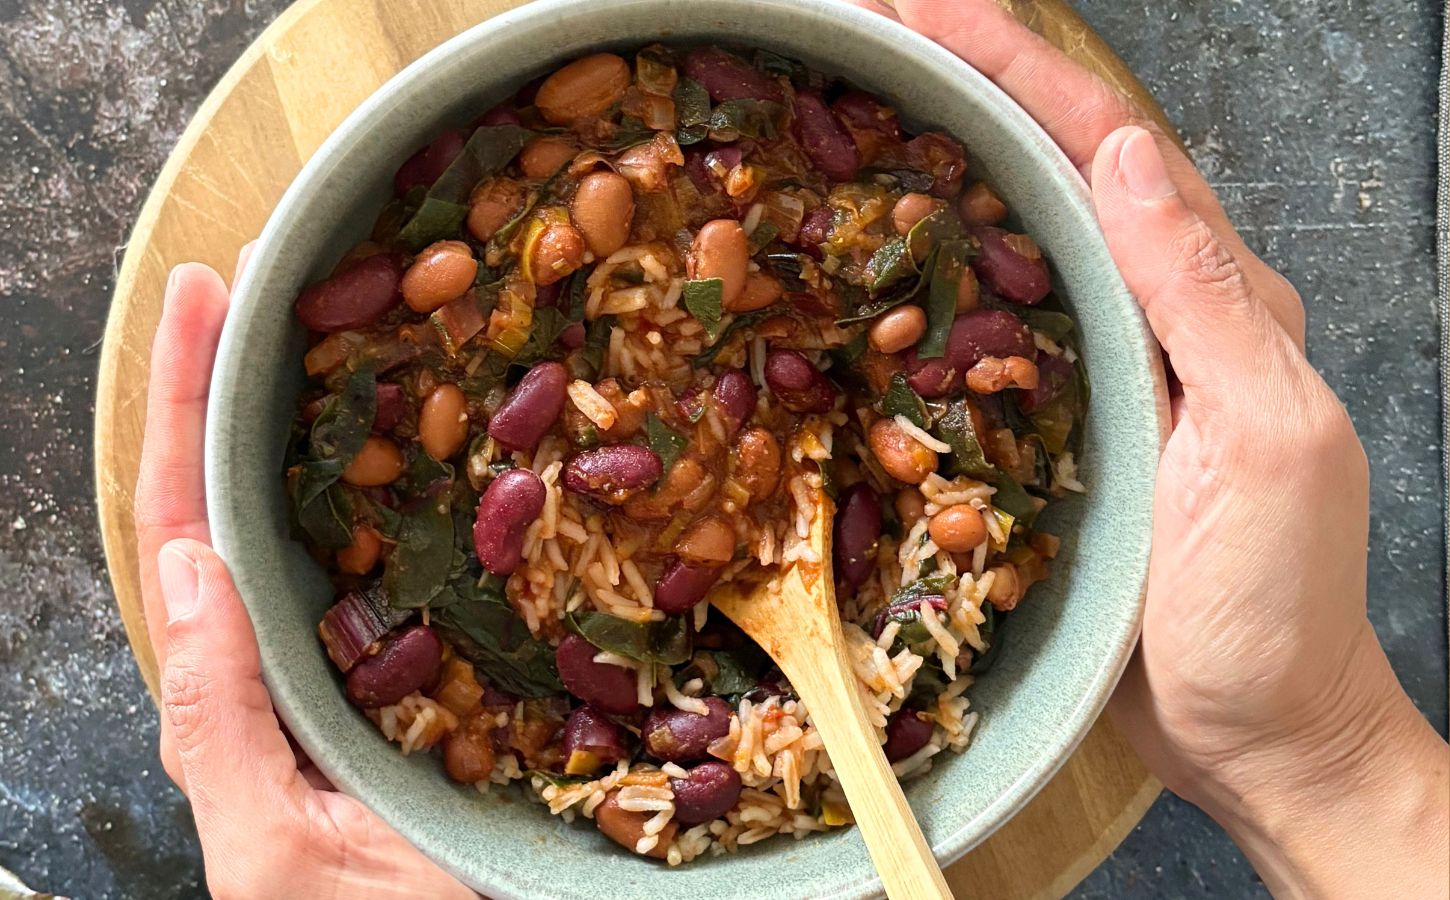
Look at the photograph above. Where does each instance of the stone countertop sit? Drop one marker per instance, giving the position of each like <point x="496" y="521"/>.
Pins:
<point x="1315" y="122"/>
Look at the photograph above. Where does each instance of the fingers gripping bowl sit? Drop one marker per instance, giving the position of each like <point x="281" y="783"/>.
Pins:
<point x="1071" y="638"/>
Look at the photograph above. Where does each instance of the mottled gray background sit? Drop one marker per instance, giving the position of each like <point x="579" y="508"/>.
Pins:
<point x="1315" y="120"/>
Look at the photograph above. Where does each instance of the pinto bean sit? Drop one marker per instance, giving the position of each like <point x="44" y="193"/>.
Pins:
<point x="443" y="422"/>
<point x="491" y="206"/>
<point x="592" y="740"/>
<point x="711" y="790"/>
<point x="359" y="557"/>
<point x="760" y="291"/>
<point x="910" y="209"/>
<point x="824" y="139"/>
<point x="609" y="687"/>
<point x="958" y="529"/>
<point x="898" y="329"/>
<point x="708" y="541"/>
<point x="736" y="395"/>
<point x="720" y="250"/>
<point x="687" y="485"/>
<point x="1014" y="277"/>
<point x="543" y="156"/>
<point x="674" y="735"/>
<point x="910" y="506"/>
<point x="584" y="88"/>
<point x="602" y="210"/>
<point x="424" y="167"/>
<point x="532" y="408"/>
<point x="992" y="374"/>
<point x="627" y="828"/>
<point x="509" y="504"/>
<point x="354" y="297"/>
<point x="906" y="733"/>
<point x="682" y="586"/>
<point x="980" y="205"/>
<point x="468" y="754"/>
<point x="857" y="529"/>
<point x="556" y="253"/>
<point x="379" y="462"/>
<point x="901" y="455"/>
<point x="611" y="473"/>
<point x="797" y="384"/>
<point x="442" y="272"/>
<point x="728" y="77"/>
<point x="755" y="463"/>
<point x="405" y="664"/>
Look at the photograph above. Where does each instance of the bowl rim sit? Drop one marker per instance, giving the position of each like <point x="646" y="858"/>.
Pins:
<point x="231" y="362"/>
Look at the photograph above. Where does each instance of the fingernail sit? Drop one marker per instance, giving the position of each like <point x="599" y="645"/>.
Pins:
<point x="1143" y="169"/>
<point x="171" y="279"/>
<point x="178" y="582"/>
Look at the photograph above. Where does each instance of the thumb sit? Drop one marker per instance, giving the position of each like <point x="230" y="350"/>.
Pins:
<point x="236" y="762"/>
<point x="1192" y="289"/>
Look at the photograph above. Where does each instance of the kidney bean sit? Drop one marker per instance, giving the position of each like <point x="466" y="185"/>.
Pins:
<point x="862" y="112"/>
<point x="609" y="687"/>
<point x="931" y="378"/>
<point x="987" y="332"/>
<point x="424" y="167"/>
<point x="606" y="472"/>
<point x="391" y="406"/>
<point x="720" y="250"/>
<point x="710" y="791"/>
<point x="603" y="208"/>
<point x="588" y="731"/>
<point x="798" y="385"/>
<point x="443" y="422"/>
<point x="543" y="156"/>
<point x="354" y="297"/>
<point x="1054" y="374"/>
<point x="379" y="462"/>
<point x="902" y="456"/>
<point x="503" y="114"/>
<point x="492" y="204"/>
<point x="626" y="828"/>
<point x="584" y="88"/>
<point x="906" y="733"/>
<point x="441" y="273"/>
<point x="532" y="408"/>
<point x="359" y="557"/>
<point x="468" y="754"/>
<point x="980" y="205"/>
<point x="824" y="139"/>
<point x="509" y="504"/>
<point x="735" y="394"/>
<point x="816" y="229"/>
<point x="940" y="157"/>
<point x="728" y="77"/>
<point x="857" y="528"/>
<point x="682" y="586"/>
<point x="898" y="329"/>
<point x="910" y="209"/>
<point x="707" y="541"/>
<point x="958" y="529"/>
<point x="755" y="462"/>
<point x="405" y="664"/>
<point x="573" y="336"/>
<point x="674" y="735"/>
<point x="707" y="168"/>
<point x="1009" y="274"/>
<point x="556" y="253"/>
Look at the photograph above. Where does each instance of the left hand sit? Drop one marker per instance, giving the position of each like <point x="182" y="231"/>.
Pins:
<point x="270" y="824"/>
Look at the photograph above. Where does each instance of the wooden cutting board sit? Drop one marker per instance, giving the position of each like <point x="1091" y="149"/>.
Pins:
<point x="272" y="109"/>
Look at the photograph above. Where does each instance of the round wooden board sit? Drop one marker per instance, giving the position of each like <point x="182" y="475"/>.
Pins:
<point x="272" y="109"/>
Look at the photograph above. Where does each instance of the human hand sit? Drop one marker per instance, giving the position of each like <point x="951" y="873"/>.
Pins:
<point x="270" y="825"/>
<point x="1259" y="690"/>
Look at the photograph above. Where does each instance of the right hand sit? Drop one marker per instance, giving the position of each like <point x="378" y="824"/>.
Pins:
<point x="1259" y="690"/>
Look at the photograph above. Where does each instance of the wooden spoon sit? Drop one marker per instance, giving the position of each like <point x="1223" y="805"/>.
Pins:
<point x="793" y="617"/>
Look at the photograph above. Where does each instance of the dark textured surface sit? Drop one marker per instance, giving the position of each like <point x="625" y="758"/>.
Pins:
<point x="1314" y="120"/>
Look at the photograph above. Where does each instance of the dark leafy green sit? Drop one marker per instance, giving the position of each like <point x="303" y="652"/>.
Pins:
<point x="664" y="441"/>
<point x="667" y="641"/>
<point x="990" y="631"/>
<point x="890" y="263"/>
<point x="739" y="323"/>
<point x="692" y="109"/>
<point x="418" y="567"/>
<point x="346" y="420"/>
<point x="901" y="400"/>
<point x="734" y="119"/>
<point x="1012" y="498"/>
<point x="740" y="670"/>
<point x="956" y="429"/>
<point x="941" y="298"/>
<point x="549" y="323"/>
<point x="1053" y="324"/>
<point x="588" y="362"/>
<point x="928" y="684"/>
<point x="848" y="353"/>
<point x="484" y="629"/>
<point x="926" y="586"/>
<point x="764" y="233"/>
<point x="326" y="516"/>
<point x="702" y="298"/>
<point x="446" y="203"/>
<point x="897" y="290"/>
<point x="929" y="233"/>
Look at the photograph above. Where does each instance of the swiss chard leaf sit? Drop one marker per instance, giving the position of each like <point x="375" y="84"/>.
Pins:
<point x="664" y="441"/>
<point x="991" y="633"/>
<point x="734" y="119"/>
<point x="890" y="263"/>
<point x="549" y="323"/>
<point x="702" y="298"/>
<point x="901" y="400"/>
<point x="927" y="586"/>
<point x="481" y="626"/>
<point x="928" y="684"/>
<point x="739" y="670"/>
<point x="418" y="567"/>
<point x="764" y="233"/>
<point x="588" y="361"/>
<point x="744" y="320"/>
<point x="446" y="203"/>
<point x="1050" y="322"/>
<point x="667" y="641"/>
<point x="340" y="430"/>
<point x="848" y="353"/>
<point x="956" y="429"/>
<point x="941" y="299"/>
<point x="692" y="109"/>
<point x="326" y="518"/>
<point x="1013" y="499"/>
<point x="898" y="290"/>
<point x="932" y="231"/>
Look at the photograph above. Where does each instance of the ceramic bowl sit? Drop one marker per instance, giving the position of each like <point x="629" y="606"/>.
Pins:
<point x="1066" y="646"/>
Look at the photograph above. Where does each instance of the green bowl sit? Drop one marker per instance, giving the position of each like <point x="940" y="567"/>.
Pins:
<point x="1066" y="646"/>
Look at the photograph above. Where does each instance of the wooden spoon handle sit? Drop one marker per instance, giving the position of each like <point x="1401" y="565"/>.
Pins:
<point x="899" y="850"/>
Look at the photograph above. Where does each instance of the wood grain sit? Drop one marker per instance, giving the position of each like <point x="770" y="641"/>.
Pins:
<point x="268" y="114"/>
<point x="793" y="617"/>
